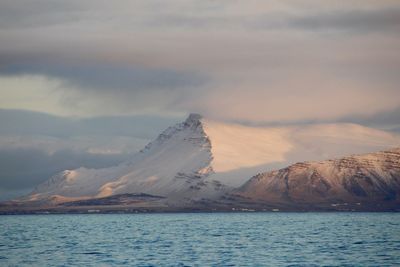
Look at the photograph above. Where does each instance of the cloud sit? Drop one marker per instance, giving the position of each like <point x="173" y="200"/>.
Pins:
<point x="101" y="77"/>
<point x="358" y="21"/>
<point x="389" y="119"/>
<point x="251" y="60"/>
<point x="37" y="13"/>
<point x="28" y="123"/>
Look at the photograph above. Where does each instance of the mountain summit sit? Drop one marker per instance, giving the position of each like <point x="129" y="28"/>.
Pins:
<point x="204" y="159"/>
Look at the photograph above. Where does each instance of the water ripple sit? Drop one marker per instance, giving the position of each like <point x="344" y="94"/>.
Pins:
<point x="223" y="239"/>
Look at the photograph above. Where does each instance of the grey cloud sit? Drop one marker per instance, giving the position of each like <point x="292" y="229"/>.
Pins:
<point x="106" y="77"/>
<point x="35" y="13"/>
<point x="6" y="194"/>
<point x="25" y="168"/>
<point x="389" y="120"/>
<point x="21" y="122"/>
<point x="354" y="21"/>
<point x="203" y="14"/>
<point x="42" y="13"/>
<point x="180" y="56"/>
<point x="386" y="120"/>
<point x="357" y="21"/>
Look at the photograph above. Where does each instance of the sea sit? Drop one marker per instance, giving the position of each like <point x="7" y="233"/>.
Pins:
<point x="201" y="239"/>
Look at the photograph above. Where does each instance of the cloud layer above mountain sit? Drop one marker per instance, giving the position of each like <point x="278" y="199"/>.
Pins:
<point x="245" y="60"/>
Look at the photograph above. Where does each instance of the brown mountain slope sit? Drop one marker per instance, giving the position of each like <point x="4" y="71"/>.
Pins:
<point x="369" y="179"/>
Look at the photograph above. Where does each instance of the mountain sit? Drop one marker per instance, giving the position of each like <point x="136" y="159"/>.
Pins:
<point x="205" y="159"/>
<point x="368" y="179"/>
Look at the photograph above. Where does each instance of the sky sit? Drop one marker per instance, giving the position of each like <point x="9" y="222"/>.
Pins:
<point x="95" y="80"/>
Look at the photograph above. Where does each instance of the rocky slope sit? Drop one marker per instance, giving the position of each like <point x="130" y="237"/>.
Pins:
<point x="360" y="179"/>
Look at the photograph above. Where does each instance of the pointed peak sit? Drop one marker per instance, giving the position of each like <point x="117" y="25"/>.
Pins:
<point x="193" y="118"/>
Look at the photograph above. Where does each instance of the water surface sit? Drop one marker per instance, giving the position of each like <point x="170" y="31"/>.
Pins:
<point x="203" y="239"/>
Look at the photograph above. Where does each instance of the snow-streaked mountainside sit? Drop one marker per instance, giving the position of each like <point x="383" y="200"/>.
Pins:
<point x="373" y="177"/>
<point x="201" y="158"/>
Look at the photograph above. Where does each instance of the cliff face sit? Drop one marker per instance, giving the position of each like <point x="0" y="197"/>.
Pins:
<point x="373" y="177"/>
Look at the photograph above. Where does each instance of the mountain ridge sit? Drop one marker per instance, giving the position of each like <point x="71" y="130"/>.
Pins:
<point x="356" y="178"/>
<point x="201" y="159"/>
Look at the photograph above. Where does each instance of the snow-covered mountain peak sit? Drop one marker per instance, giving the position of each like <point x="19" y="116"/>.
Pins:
<point x="201" y="158"/>
<point x="194" y="119"/>
<point x="189" y="130"/>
